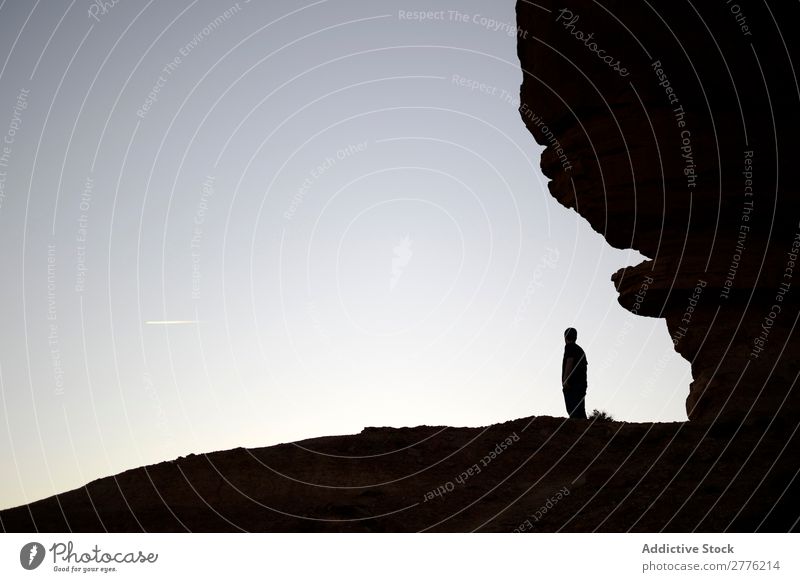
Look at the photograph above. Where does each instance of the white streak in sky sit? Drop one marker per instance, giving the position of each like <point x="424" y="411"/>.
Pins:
<point x="173" y="322"/>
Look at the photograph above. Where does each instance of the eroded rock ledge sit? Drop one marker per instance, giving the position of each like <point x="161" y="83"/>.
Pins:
<point x="671" y="128"/>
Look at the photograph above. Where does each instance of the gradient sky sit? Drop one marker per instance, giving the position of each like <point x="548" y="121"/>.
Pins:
<point x="337" y="205"/>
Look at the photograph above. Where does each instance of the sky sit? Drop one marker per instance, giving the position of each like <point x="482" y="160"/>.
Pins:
<point x="241" y="224"/>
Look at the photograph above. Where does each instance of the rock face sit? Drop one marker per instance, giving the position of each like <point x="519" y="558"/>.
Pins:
<point x="671" y="127"/>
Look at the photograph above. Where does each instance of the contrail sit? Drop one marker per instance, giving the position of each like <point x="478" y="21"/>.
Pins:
<point x="173" y="322"/>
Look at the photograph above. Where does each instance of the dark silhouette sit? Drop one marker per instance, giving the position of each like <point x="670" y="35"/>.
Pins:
<point x="573" y="375"/>
<point x="743" y="360"/>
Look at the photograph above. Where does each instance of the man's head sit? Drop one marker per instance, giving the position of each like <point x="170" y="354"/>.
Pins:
<point x="570" y="335"/>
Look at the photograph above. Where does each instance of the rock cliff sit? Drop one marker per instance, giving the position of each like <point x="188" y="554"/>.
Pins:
<point x="671" y="128"/>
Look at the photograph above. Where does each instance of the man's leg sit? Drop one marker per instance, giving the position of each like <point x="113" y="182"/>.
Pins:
<point x="569" y="401"/>
<point x="573" y="398"/>
<point x="580" y="409"/>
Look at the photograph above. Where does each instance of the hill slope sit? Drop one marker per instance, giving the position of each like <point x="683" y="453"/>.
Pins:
<point x="534" y="474"/>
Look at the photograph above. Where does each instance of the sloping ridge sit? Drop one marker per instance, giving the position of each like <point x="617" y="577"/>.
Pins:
<point x="530" y="474"/>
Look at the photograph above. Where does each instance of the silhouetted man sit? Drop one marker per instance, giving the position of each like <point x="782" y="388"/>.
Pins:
<point x="573" y="375"/>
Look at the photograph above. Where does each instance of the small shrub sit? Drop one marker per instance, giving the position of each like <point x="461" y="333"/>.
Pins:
<point x="600" y="415"/>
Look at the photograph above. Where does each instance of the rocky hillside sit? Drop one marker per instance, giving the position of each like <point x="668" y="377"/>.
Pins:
<point x="532" y="474"/>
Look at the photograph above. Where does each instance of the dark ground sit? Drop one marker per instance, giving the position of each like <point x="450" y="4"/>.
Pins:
<point x="560" y="475"/>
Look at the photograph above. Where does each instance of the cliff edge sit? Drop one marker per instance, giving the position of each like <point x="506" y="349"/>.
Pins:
<point x="671" y="128"/>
